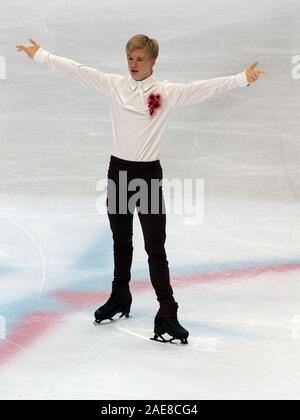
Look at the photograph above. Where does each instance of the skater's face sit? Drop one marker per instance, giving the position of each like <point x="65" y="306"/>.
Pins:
<point x="139" y="65"/>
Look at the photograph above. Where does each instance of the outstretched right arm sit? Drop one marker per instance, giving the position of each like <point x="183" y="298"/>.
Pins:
<point x="103" y="82"/>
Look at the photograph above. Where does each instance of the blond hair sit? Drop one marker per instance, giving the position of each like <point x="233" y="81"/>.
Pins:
<point x="143" y="41"/>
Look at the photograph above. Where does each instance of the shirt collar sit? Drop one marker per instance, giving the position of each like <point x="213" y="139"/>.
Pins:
<point x="144" y="84"/>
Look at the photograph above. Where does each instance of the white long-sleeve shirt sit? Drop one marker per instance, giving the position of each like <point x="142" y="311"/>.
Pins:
<point x="140" y="109"/>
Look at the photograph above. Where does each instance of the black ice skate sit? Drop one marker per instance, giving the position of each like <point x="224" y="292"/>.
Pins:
<point x="112" y="307"/>
<point x="171" y="326"/>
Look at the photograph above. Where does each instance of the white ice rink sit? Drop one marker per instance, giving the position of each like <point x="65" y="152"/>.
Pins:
<point x="235" y="275"/>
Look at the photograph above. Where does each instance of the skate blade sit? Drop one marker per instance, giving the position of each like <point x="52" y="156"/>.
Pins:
<point x="98" y="322"/>
<point x="159" y="338"/>
<point x="183" y="341"/>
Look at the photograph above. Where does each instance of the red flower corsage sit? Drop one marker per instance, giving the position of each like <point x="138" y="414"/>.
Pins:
<point x="154" y="103"/>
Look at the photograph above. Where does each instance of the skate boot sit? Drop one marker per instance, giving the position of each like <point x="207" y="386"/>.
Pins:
<point x="113" y="306"/>
<point x="168" y="323"/>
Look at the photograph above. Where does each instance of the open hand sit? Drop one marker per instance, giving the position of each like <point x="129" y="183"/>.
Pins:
<point x="252" y="73"/>
<point x="30" y="51"/>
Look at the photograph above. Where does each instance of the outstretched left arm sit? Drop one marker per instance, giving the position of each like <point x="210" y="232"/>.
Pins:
<point x="182" y="94"/>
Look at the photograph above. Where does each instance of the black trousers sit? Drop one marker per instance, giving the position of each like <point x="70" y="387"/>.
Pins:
<point x="153" y="222"/>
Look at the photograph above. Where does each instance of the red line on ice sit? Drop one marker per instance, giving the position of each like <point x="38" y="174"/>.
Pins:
<point x="27" y="332"/>
<point x="37" y="324"/>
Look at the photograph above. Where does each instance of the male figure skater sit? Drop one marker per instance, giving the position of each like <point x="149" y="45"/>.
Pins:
<point x="140" y="107"/>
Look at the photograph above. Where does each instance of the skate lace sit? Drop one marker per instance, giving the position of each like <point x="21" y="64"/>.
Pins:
<point x="111" y="303"/>
<point x="114" y="301"/>
<point x="173" y="322"/>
